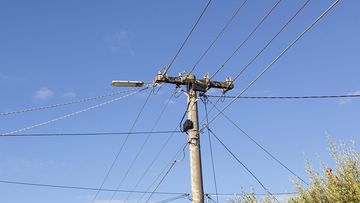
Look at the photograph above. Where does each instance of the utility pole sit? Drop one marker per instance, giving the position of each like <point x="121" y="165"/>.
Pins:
<point x="191" y="125"/>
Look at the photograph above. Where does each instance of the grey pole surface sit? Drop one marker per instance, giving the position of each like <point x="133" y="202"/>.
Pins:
<point x="194" y="147"/>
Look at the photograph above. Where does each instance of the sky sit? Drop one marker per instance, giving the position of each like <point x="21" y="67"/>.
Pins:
<point x="58" y="51"/>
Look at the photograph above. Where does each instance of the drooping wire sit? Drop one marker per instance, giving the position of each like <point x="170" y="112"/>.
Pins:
<point x="173" y="162"/>
<point x="91" y="134"/>
<point x="84" y="188"/>
<point x="275" y="60"/>
<point x="205" y="100"/>
<point x="143" y="145"/>
<point x="65" y="103"/>
<point x="72" y="114"/>
<point x="246" y="38"/>
<point x="218" y="36"/>
<point x="123" y="145"/>
<point x="188" y="36"/>
<point x="259" y="145"/>
<point x="290" y="97"/>
<point x="242" y="164"/>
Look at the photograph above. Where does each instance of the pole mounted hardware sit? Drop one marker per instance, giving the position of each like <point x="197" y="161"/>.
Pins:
<point x="191" y="125"/>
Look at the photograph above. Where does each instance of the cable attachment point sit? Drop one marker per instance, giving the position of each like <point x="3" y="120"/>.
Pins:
<point x="229" y="84"/>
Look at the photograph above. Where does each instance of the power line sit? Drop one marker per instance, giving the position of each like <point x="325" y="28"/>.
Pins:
<point x="257" y="194"/>
<point x="259" y="145"/>
<point x="218" y="36"/>
<point x="273" y="38"/>
<point x="288" y="97"/>
<point x="263" y="49"/>
<point x="92" y="133"/>
<point x="84" y="188"/>
<point x="275" y="60"/>
<point x="72" y="114"/>
<point x="188" y="36"/>
<point x="65" y="103"/>
<point x="173" y="198"/>
<point x="143" y="145"/>
<point x="205" y="100"/>
<point x="241" y="163"/>
<point x="123" y="144"/>
<point x="152" y="163"/>
<point x="247" y="38"/>
<point x="168" y="171"/>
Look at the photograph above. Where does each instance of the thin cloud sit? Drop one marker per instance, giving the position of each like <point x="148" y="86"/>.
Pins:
<point x="43" y="93"/>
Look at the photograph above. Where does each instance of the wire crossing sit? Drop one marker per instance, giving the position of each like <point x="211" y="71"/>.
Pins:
<point x="205" y="100"/>
<point x="241" y="163"/>
<point x="143" y="145"/>
<point x="123" y="144"/>
<point x="275" y="60"/>
<point x="260" y="146"/>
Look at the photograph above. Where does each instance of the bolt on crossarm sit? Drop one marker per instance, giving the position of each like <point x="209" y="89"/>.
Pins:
<point x="191" y="126"/>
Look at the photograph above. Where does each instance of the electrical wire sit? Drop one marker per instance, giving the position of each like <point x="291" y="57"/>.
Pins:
<point x="154" y="159"/>
<point x="163" y="171"/>
<point x="257" y="194"/>
<point x="243" y="165"/>
<point x="65" y="103"/>
<point x="92" y="134"/>
<point x="174" y="161"/>
<point x="123" y="144"/>
<point x="173" y="198"/>
<point x="219" y="35"/>
<point x="246" y="38"/>
<point x="290" y="97"/>
<point x="205" y="100"/>
<point x="71" y="114"/>
<point x="275" y="60"/>
<point x="188" y="36"/>
<point x="84" y="188"/>
<point x="142" y="146"/>
<point x="259" y="145"/>
<point x="273" y="38"/>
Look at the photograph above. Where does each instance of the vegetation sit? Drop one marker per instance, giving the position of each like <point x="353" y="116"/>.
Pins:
<point x="337" y="185"/>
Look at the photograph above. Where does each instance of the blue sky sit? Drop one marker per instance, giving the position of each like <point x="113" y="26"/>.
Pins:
<point x="57" y="51"/>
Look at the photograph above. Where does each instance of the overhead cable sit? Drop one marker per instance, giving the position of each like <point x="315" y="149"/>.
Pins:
<point x="226" y="25"/>
<point x="289" y="97"/>
<point x="259" y="145"/>
<point x="84" y="188"/>
<point x="243" y="165"/>
<point x="275" y="60"/>
<point x="247" y="38"/>
<point x="123" y="144"/>
<point x="142" y="146"/>
<point x="91" y="134"/>
<point x="188" y="36"/>
<point x="72" y="114"/>
<point x="66" y="103"/>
